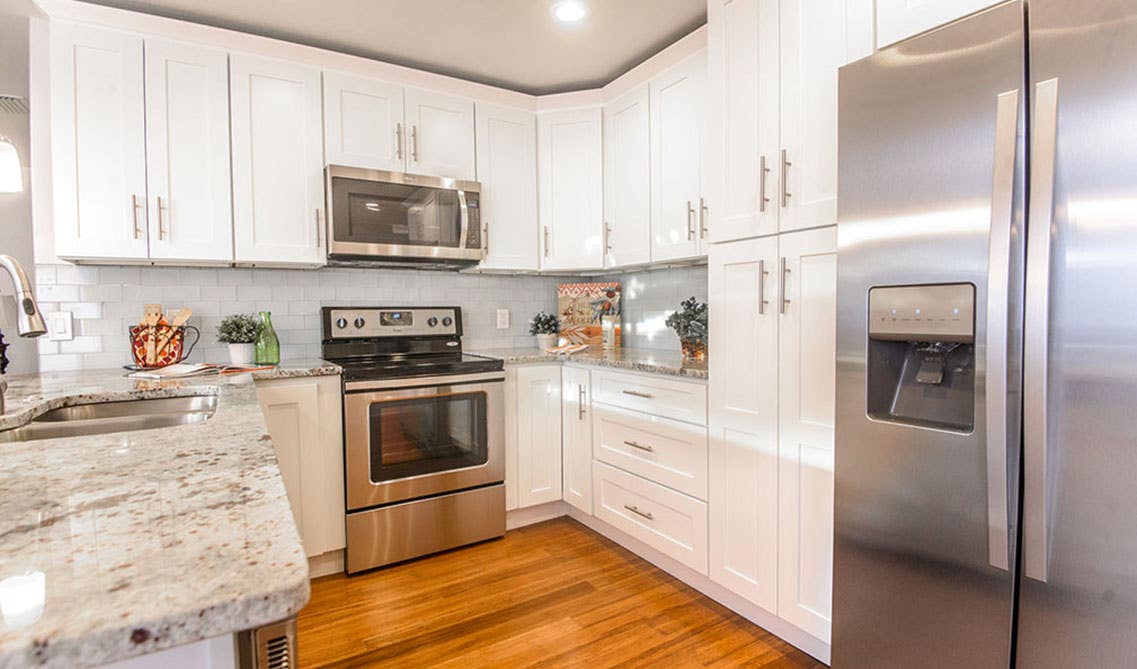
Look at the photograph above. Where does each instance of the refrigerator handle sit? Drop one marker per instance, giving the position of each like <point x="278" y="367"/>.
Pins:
<point x="998" y="284"/>
<point x="1036" y="335"/>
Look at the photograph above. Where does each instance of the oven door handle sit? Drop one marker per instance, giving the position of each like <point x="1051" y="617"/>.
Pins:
<point x="465" y="214"/>
<point x="423" y="381"/>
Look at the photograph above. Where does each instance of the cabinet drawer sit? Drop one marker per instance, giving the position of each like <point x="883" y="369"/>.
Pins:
<point x="680" y="400"/>
<point x="668" y="521"/>
<point x="665" y="451"/>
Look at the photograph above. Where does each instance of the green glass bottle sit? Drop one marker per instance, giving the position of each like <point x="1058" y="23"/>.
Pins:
<point x="267" y="345"/>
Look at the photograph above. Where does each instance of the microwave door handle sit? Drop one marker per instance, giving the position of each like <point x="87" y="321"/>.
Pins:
<point x="465" y="216"/>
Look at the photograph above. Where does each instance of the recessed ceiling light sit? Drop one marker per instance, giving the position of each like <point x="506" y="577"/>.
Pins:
<point x="570" y="11"/>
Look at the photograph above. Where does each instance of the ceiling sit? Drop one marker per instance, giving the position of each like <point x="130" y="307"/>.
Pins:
<point x="514" y="44"/>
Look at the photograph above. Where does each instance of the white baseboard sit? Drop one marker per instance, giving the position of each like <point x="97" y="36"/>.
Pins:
<point x="535" y="514"/>
<point x="325" y="564"/>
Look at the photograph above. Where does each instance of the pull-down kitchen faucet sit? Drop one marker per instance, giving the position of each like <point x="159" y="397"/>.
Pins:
<point x="29" y="322"/>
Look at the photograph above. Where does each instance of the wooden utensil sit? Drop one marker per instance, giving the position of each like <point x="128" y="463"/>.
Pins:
<point x="152" y="316"/>
<point x="167" y="335"/>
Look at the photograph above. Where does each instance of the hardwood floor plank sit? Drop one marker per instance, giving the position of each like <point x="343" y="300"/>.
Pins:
<point x="554" y="594"/>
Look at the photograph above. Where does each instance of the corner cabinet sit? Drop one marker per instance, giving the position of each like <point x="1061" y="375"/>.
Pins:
<point x="576" y="437"/>
<point x="570" y="189"/>
<point x="278" y="185"/>
<point x="507" y="170"/>
<point x="627" y="180"/>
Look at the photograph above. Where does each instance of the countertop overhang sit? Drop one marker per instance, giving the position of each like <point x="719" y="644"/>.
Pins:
<point x="648" y="361"/>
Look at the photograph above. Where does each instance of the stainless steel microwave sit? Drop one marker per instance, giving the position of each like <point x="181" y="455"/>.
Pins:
<point x="393" y="217"/>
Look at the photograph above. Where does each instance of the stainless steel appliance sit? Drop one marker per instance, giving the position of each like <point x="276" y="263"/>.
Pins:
<point x="424" y="433"/>
<point x="395" y="218"/>
<point x="987" y="334"/>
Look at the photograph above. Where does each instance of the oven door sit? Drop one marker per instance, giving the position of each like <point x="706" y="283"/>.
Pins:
<point x="402" y="216"/>
<point x="411" y="438"/>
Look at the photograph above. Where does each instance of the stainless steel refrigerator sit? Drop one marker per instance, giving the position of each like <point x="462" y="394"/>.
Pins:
<point x="986" y="441"/>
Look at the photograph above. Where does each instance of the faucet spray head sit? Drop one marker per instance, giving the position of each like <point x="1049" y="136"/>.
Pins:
<point x="29" y="322"/>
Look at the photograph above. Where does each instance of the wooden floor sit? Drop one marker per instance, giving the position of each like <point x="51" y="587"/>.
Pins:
<point x="554" y="594"/>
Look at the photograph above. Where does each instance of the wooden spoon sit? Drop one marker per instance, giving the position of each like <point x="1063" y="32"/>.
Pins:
<point x="153" y="315"/>
<point x="180" y="319"/>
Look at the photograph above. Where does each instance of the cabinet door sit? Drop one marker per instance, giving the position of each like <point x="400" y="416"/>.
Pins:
<point x="441" y="141"/>
<point x="187" y="152"/>
<point x="278" y="186"/>
<point x="900" y="19"/>
<point x="98" y="143"/>
<point x="812" y="43"/>
<point x="570" y="193"/>
<point x="363" y="123"/>
<point x="676" y="185"/>
<point x="627" y="182"/>
<point x="743" y="449"/>
<point x="743" y="67"/>
<point x="507" y="170"/>
<point x="538" y="434"/>
<point x="576" y="438"/>
<point x="806" y="376"/>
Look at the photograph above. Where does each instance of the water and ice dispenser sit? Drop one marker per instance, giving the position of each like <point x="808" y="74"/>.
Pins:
<point x="921" y="355"/>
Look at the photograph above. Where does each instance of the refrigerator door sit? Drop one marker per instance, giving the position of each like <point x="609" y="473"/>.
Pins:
<point x="1078" y="603"/>
<point x="930" y="192"/>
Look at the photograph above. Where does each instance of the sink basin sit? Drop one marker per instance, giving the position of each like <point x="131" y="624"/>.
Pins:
<point x="121" y="416"/>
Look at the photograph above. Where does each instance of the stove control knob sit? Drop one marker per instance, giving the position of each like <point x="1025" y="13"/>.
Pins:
<point x="432" y="321"/>
<point x="359" y="322"/>
<point x="341" y="322"/>
<point x="447" y="321"/>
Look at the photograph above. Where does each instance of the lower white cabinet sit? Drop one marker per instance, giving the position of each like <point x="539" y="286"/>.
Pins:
<point x="666" y="451"/>
<point x="304" y="419"/>
<point x="576" y="438"/>
<point x="668" y="521"/>
<point x="537" y="442"/>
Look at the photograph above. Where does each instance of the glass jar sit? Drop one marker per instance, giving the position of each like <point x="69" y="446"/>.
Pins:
<point x="267" y="345"/>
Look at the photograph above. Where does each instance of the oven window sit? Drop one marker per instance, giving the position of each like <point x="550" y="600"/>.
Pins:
<point x="427" y="435"/>
<point x="371" y="212"/>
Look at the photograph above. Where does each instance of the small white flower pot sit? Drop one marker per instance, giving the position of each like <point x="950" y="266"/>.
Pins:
<point x="241" y="354"/>
<point x="546" y="341"/>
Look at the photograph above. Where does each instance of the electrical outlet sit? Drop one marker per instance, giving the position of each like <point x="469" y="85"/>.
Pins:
<point x="503" y="319"/>
<point x="59" y="326"/>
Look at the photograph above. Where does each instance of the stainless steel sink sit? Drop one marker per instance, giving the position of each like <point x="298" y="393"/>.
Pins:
<point x="121" y="416"/>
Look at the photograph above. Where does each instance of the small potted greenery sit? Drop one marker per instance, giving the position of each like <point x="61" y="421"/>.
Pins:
<point x="546" y="327"/>
<point x="690" y="324"/>
<point x="240" y="332"/>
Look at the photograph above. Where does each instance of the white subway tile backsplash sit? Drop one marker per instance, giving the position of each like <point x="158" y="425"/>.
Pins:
<point x="57" y="293"/>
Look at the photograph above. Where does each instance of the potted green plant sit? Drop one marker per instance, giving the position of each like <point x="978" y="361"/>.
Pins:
<point x="690" y="324"/>
<point x="546" y="327"/>
<point x="239" y="331"/>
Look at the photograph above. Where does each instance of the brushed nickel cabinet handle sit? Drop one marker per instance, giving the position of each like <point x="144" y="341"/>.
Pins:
<point x="785" y="187"/>
<point x="762" y="172"/>
<point x="319" y="242"/>
<point x="580" y="402"/>
<point x="398" y="141"/>
<point x="690" y="221"/>
<point x="607" y="237"/>
<point x="486" y="238"/>
<point x="414" y="143"/>
<point x="633" y="444"/>
<point x="546" y="241"/>
<point x="762" y="274"/>
<point x="702" y="219"/>
<point x="636" y="393"/>
<point x="134" y="205"/>
<point x="161" y="219"/>
<point x="643" y="514"/>
<point x="782" y="299"/>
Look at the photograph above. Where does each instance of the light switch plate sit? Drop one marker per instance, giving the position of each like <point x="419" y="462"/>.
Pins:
<point x="503" y="319"/>
<point x="59" y="326"/>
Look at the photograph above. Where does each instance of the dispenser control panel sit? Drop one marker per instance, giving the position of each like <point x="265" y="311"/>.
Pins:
<point x="939" y="312"/>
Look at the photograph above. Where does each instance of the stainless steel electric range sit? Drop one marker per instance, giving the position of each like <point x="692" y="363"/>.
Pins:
<point x="424" y="433"/>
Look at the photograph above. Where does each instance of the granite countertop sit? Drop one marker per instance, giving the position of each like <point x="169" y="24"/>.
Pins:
<point x="669" y="363"/>
<point x="118" y="545"/>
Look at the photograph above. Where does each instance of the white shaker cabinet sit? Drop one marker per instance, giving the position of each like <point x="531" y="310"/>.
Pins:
<point x="538" y="438"/>
<point x="678" y="204"/>
<point x="441" y="139"/>
<point x="806" y="376"/>
<point x="570" y="189"/>
<point x="576" y="437"/>
<point x="507" y="170"/>
<point x="899" y="19"/>
<point x="303" y="417"/>
<point x="363" y="123"/>
<point x="98" y="143"/>
<point x="742" y="281"/>
<point x="627" y="180"/>
<point x="278" y="186"/>
<point x="187" y="152"/>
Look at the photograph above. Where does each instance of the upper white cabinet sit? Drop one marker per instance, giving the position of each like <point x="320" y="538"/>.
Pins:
<point x="187" y="152"/>
<point x="441" y="141"/>
<point x="570" y="189"/>
<point x="678" y="205"/>
<point x="507" y="170"/>
<point x="363" y="123"/>
<point x="773" y="68"/>
<point x="538" y="420"/>
<point x="900" y="19"/>
<point x="627" y="181"/>
<point x="278" y="187"/>
<point x="576" y="438"/>
<point x="98" y="143"/>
